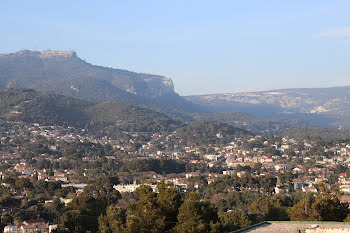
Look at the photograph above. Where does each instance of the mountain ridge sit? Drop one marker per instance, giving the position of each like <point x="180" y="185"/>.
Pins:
<point x="328" y="107"/>
<point x="63" y="72"/>
<point x="48" y="59"/>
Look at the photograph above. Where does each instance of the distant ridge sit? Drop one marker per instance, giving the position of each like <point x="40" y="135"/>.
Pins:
<point x="325" y="107"/>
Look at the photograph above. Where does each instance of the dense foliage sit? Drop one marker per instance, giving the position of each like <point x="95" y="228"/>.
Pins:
<point x="250" y="122"/>
<point x="210" y="132"/>
<point x="326" y="134"/>
<point x="160" y="166"/>
<point x="47" y="109"/>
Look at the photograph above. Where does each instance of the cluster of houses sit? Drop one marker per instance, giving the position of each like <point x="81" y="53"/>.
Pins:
<point x="293" y="156"/>
<point x="308" y="168"/>
<point x="30" y="226"/>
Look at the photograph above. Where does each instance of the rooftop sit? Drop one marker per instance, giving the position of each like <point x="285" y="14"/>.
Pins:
<point x="290" y="226"/>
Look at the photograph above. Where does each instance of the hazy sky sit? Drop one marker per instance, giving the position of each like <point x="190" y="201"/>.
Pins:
<point x="204" y="46"/>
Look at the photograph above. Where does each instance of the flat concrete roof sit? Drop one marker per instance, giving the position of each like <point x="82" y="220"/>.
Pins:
<point x="292" y="227"/>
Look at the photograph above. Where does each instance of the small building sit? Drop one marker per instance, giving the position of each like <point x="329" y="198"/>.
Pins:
<point x="192" y="174"/>
<point x="31" y="226"/>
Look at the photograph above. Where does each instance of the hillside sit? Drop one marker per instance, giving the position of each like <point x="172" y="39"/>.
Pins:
<point x="251" y="123"/>
<point x="63" y="72"/>
<point x="323" y="107"/>
<point x="209" y="132"/>
<point x="326" y="134"/>
<point x="48" y="109"/>
<point x="131" y="118"/>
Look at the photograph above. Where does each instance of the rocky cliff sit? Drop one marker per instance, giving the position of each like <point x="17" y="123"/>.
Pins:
<point x="63" y="72"/>
<point x="39" y="69"/>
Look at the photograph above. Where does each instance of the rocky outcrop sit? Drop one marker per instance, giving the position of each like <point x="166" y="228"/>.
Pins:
<point x="63" y="72"/>
<point x="28" y="66"/>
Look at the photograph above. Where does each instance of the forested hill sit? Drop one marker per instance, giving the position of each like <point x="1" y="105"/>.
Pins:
<point x="253" y="124"/>
<point x="130" y="118"/>
<point x="64" y="73"/>
<point x="210" y="132"/>
<point x="49" y="109"/>
<point x="326" y="134"/>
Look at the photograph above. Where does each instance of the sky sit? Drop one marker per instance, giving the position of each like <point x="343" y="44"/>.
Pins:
<point x="206" y="47"/>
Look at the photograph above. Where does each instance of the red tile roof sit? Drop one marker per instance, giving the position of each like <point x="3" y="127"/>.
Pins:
<point x="35" y="220"/>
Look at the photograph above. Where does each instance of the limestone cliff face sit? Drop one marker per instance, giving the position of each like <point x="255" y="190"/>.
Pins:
<point x="155" y="86"/>
<point x="57" y="54"/>
<point x="45" y="53"/>
<point x="66" y="73"/>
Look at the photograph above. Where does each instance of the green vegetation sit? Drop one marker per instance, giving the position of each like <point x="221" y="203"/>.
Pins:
<point x="131" y="118"/>
<point x="210" y="132"/>
<point x="164" y="211"/>
<point x="326" y="134"/>
<point x="251" y="123"/>
<point x="168" y="211"/>
<point x="33" y="107"/>
<point x="325" y="206"/>
<point x="160" y="166"/>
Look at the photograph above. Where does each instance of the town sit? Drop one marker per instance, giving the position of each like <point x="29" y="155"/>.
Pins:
<point x="67" y="161"/>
